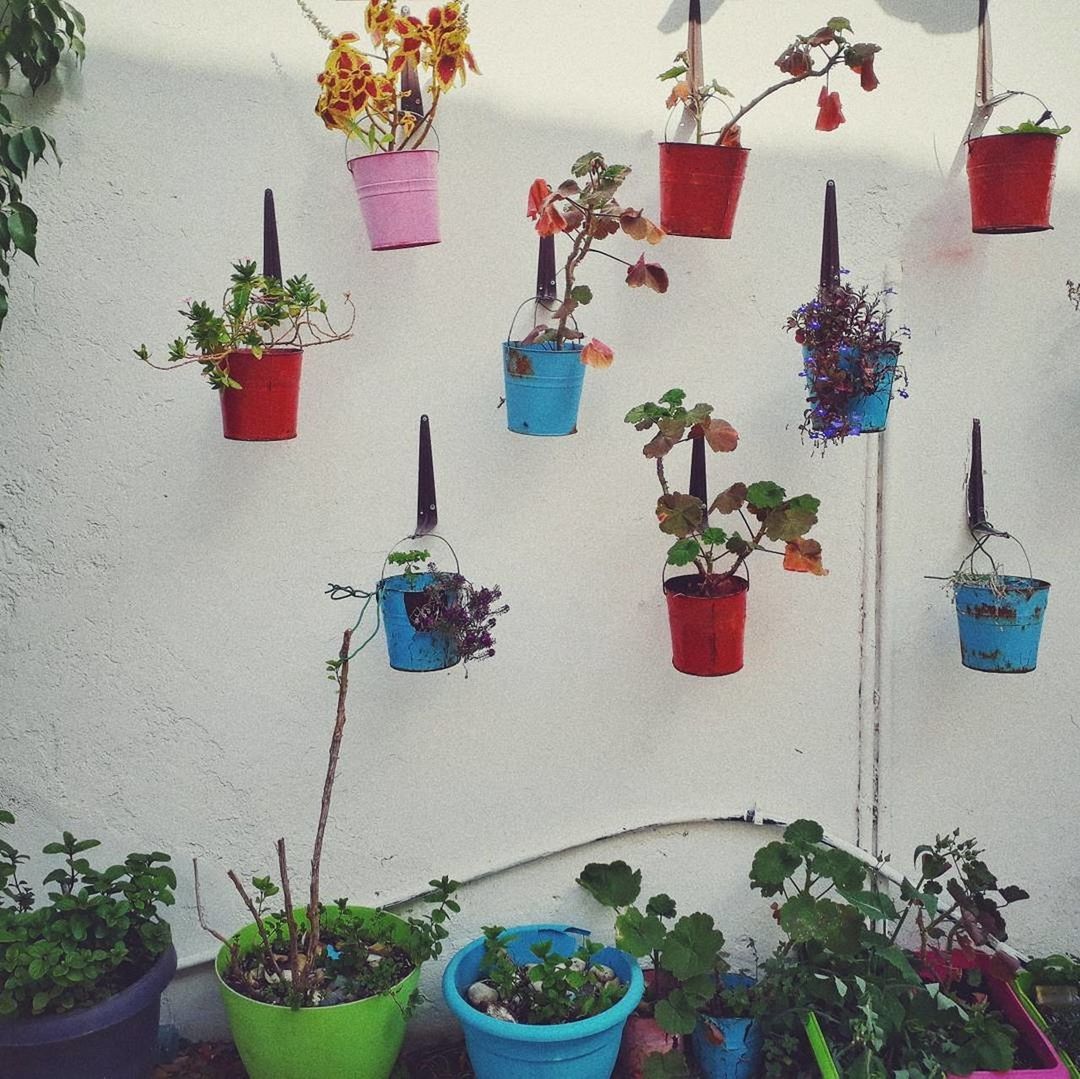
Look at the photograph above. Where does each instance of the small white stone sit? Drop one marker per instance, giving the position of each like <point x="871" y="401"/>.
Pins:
<point x="481" y="994"/>
<point x="577" y="964"/>
<point x="500" y="1011"/>
<point x="604" y="974"/>
<point x="374" y="960"/>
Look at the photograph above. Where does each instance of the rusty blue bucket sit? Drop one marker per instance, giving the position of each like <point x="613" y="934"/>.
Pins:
<point x="543" y="387"/>
<point x="729" y="1048"/>
<point x="411" y="649"/>
<point x="868" y="413"/>
<point x="1000" y="628"/>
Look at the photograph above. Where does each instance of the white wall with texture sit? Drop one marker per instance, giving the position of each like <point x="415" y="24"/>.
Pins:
<point x="163" y="622"/>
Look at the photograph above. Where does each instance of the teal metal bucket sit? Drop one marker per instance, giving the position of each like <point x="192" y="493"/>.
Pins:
<point x="409" y="648"/>
<point x="543" y="388"/>
<point x="867" y="414"/>
<point x="1000" y="633"/>
<point x="586" y="1049"/>
<point x="728" y="1048"/>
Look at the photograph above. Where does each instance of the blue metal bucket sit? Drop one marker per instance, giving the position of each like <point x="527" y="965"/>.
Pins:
<point x="586" y="1049"/>
<point x="408" y="648"/>
<point x="728" y="1048"/>
<point x="543" y="388"/>
<point x="1001" y="633"/>
<point x="870" y="413"/>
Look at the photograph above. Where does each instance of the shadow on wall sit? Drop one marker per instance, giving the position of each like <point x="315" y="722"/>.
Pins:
<point x="933" y="16"/>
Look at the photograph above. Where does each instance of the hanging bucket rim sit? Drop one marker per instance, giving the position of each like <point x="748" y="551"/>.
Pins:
<point x="1013" y="585"/>
<point x="707" y="146"/>
<point x="386" y="154"/>
<point x="1023" y="135"/>
<point x="744" y="582"/>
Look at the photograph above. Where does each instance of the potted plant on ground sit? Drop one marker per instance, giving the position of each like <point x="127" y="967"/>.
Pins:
<point x="687" y="986"/>
<point x="545" y="368"/>
<point x="374" y="96"/>
<point x="707" y="608"/>
<point x="700" y="180"/>
<point x="252" y="350"/>
<point x="849" y="362"/>
<point x="323" y="988"/>
<point x="871" y="1008"/>
<point x="1049" y="989"/>
<point x="999" y="617"/>
<point x="81" y="977"/>
<point x="541" y="1000"/>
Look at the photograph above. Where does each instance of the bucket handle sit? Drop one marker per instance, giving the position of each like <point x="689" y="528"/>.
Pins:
<point x="517" y="311"/>
<point x="413" y="538"/>
<point x="981" y="116"/>
<point x="400" y="149"/>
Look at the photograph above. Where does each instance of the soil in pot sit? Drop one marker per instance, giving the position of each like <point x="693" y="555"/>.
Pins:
<point x="706" y="631"/>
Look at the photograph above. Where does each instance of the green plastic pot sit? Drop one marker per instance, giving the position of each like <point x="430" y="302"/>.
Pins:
<point x="360" y="1040"/>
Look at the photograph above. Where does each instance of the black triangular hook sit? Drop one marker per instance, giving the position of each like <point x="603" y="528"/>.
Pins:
<point x="698" y="486"/>
<point x="830" y="242"/>
<point x="427" y="512"/>
<point x="547" y="286"/>
<point x="412" y="99"/>
<point x="271" y="255"/>
<point x="976" y="498"/>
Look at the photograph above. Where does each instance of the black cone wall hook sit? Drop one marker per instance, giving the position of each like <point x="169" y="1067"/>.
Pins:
<point x="271" y="254"/>
<point x="698" y="487"/>
<point x="427" y="513"/>
<point x="547" y="287"/>
<point x="830" y="242"/>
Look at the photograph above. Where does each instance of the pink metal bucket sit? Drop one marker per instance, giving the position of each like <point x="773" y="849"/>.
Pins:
<point x="399" y="197"/>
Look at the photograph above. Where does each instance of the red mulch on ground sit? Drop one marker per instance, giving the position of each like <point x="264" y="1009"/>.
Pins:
<point x="219" y="1060"/>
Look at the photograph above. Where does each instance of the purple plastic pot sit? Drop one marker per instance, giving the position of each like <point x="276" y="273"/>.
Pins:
<point x="116" y="1039"/>
<point x="399" y="197"/>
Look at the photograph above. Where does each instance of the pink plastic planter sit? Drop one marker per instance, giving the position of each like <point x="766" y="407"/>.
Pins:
<point x="399" y="197"/>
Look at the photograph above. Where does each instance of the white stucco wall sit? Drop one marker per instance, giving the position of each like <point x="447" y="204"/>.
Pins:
<point x="164" y="628"/>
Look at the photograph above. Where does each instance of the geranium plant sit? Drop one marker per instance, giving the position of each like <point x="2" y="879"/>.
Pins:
<point x="257" y="314"/>
<point x="586" y="210"/>
<point x="366" y="92"/>
<point x="100" y="931"/>
<point x="687" y="956"/>
<point x="882" y="1009"/>
<point x="850" y="354"/>
<point x="810" y="56"/>
<point x="765" y="510"/>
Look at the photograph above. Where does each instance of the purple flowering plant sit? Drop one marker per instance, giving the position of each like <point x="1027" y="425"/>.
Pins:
<point x="459" y="610"/>
<point x="848" y="353"/>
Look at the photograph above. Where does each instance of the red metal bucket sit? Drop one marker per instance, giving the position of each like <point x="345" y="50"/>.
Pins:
<point x="1011" y="179"/>
<point x="706" y="631"/>
<point x="265" y="409"/>
<point x="699" y="188"/>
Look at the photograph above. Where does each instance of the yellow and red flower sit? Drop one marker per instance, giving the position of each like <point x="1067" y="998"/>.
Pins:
<point x="446" y="33"/>
<point x="378" y="19"/>
<point x="351" y="86"/>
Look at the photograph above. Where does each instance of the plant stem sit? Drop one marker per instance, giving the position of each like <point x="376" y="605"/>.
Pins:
<point x="812" y="74"/>
<point x="290" y="918"/>
<point x="269" y="952"/>
<point x="328" y="790"/>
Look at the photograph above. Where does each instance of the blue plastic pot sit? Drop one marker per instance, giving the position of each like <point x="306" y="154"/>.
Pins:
<point x="543" y="388"/>
<point x="116" y="1038"/>
<point x="728" y="1048"/>
<point x="586" y="1049"/>
<point x="867" y="414"/>
<point x="408" y="648"/>
<point x="1001" y="633"/>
